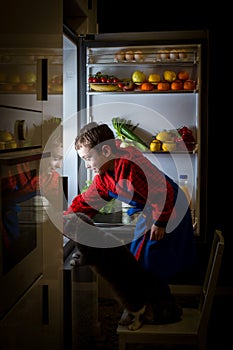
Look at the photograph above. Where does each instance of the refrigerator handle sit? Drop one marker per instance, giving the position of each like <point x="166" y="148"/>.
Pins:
<point x="42" y="79"/>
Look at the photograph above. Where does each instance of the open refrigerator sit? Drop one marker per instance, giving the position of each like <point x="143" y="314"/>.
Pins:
<point x="119" y="55"/>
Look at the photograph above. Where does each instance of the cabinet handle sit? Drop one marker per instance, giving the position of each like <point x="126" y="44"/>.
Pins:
<point x="45" y="304"/>
<point x="42" y="79"/>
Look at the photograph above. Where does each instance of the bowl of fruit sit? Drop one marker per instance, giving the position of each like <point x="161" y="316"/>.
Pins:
<point x="103" y="82"/>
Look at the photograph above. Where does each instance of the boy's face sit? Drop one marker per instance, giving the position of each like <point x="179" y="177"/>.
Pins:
<point x="96" y="160"/>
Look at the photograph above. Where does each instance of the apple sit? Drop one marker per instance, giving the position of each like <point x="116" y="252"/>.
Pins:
<point x="138" y="77"/>
<point x="129" y="86"/>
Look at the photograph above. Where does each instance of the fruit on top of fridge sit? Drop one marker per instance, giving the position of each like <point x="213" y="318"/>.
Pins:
<point x="169" y="75"/>
<point x="183" y="75"/>
<point x="124" y="130"/>
<point x="138" y="77"/>
<point x="163" y="86"/>
<point x="154" y="78"/>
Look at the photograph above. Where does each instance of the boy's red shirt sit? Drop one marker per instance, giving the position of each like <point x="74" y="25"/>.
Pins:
<point x="134" y="178"/>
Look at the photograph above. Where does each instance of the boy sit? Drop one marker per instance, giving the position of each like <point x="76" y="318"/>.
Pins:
<point x="163" y="238"/>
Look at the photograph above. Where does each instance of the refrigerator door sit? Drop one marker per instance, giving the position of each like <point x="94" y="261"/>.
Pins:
<point x="162" y="54"/>
<point x="70" y="107"/>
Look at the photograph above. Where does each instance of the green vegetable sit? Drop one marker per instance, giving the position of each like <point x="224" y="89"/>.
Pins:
<point x="124" y="129"/>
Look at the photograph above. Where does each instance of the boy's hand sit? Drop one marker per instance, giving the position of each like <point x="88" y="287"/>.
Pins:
<point x="157" y="233"/>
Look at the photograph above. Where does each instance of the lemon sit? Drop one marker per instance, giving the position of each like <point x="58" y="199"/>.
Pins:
<point x="169" y="75"/>
<point x="154" y="78"/>
<point x="169" y="146"/>
<point x="163" y="136"/>
<point x="155" y="145"/>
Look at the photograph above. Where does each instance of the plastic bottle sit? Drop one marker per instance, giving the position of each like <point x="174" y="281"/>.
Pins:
<point x="184" y="185"/>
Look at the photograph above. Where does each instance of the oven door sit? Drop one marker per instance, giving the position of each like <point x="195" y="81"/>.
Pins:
<point x="22" y="215"/>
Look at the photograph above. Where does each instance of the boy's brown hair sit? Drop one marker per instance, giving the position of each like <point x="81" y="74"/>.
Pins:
<point x="94" y="134"/>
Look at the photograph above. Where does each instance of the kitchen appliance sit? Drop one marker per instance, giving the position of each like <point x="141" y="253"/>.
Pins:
<point x="120" y="55"/>
<point x="30" y="96"/>
<point x="22" y="214"/>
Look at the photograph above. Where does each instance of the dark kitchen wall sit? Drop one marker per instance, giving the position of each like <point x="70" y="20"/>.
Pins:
<point x="114" y="16"/>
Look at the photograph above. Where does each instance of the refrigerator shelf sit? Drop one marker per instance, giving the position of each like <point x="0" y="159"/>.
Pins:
<point x="173" y="152"/>
<point x="145" y="63"/>
<point x="155" y="91"/>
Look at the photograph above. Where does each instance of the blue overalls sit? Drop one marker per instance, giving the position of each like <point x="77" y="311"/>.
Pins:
<point x="175" y="252"/>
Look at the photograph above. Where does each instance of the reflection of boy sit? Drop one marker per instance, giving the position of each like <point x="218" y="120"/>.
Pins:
<point x="22" y="184"/>
<point x="17" y="187"/>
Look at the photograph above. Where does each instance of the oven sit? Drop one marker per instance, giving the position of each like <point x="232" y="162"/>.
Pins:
<point x="22" y="213"/>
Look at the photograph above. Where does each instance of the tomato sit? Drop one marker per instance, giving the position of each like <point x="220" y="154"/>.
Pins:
<point x="103" y="80"/>
<point x="90" y="80"/>
<point x="121" y="85"/>
<point x="115" y="80"/>
<point x="95" y="80"/>
<point x="109" y="80"/>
